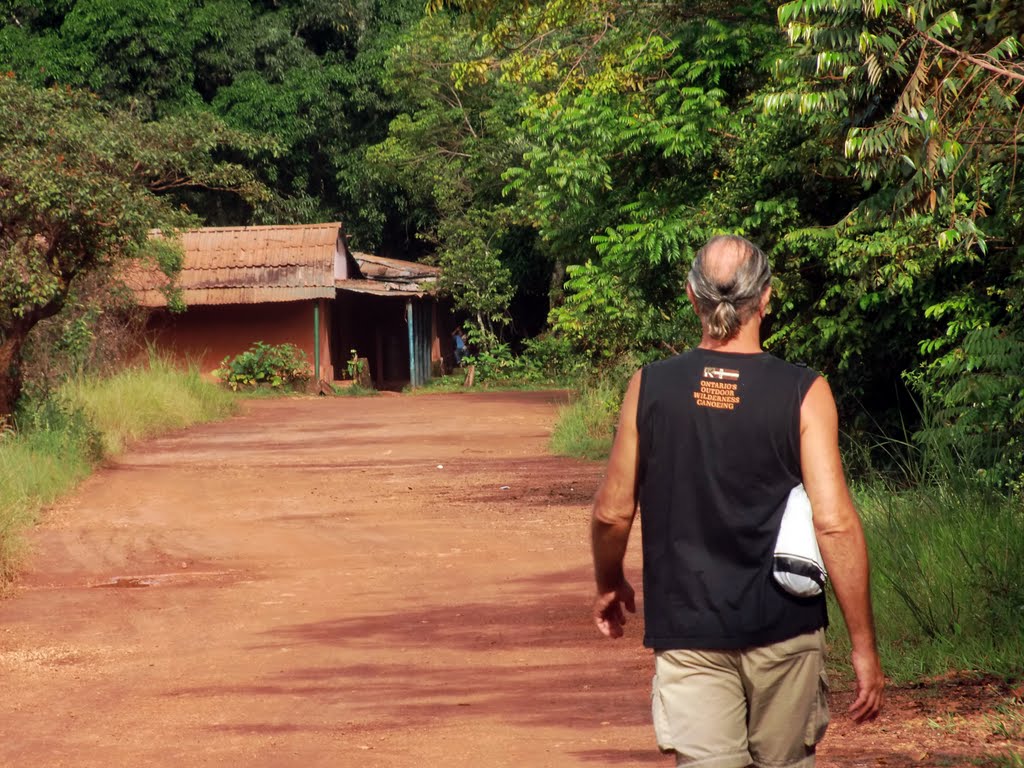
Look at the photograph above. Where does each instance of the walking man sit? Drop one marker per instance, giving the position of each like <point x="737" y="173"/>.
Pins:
<point x="709" y="445"/>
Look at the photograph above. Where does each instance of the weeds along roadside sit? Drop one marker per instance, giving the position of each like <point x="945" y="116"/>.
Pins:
<point x="947" y="560"/>
<point x="60" y="439"/>
<point x="946" y="548"/>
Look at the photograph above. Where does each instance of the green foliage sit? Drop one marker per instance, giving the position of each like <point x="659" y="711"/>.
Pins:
<point x="307" y="73"/>
<point x="492" y="358"/>
<point x="456" y="134"/>
<point x="554" y="358"/>
<point x="924" y="99"/>
<point x="282" y="366"/>
<point x="976" y="392"/>
<point x="472" y="271"/>
<point x="81" y="188"/>
<point x="626" y="170"/>
<point x="355" y="366"/>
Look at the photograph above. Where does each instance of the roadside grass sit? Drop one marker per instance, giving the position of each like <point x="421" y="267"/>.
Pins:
<point x="354" y="390"/>
<point x="37" y="465"/>
<point x="586" y="427"/>
<point x="59" y="440"/>
<point x="141" y="402"/>
<point x="452" y="383"/>
<point x="947" y="563"/>
<point x="263" y="392"/>
<point x="1007" y="759"/>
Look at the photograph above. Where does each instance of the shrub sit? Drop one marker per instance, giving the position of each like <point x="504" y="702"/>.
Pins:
<point x="545" y="360"/>
<point x="553" y="357"/>
<point x="492" y="357"/>
<point x="279" y="367"/>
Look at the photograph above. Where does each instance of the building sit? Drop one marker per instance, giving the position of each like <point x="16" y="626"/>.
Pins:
<point x="297" y="284"/>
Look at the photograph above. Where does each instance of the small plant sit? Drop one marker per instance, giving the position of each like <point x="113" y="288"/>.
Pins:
<point x="1008" y="721"/>
<point x="946" y="723"/>
<point x="278" y="367"/>
<point x="355" y="366"/>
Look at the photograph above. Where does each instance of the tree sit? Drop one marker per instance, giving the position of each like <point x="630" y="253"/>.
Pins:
<point x="308" y="73"/>
<point x="81" y="187"/>
<point x="926" y="100"/>
<point x="457" y="132"/>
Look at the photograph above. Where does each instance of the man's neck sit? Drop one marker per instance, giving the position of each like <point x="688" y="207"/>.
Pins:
<point x="747" y="341"/>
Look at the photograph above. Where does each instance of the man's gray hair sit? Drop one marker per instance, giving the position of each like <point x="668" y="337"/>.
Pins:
<point x="725" y="306"/>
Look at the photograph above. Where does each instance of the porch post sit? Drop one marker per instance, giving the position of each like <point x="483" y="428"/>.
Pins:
<point x="413" y="378"/>
<point x="316" y="338"/>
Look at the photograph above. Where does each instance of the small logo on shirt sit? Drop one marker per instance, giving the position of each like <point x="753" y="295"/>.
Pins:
<point x="721" y="374"/>
<point x="718" y="389"/>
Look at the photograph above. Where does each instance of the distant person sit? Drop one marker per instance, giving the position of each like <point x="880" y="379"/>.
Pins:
<point x="459" y="339"/>
<point x="709" y="445"/>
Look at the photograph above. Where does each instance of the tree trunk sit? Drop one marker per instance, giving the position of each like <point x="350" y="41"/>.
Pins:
<point x="10" y="370"/>
<point x="556" y="288"/>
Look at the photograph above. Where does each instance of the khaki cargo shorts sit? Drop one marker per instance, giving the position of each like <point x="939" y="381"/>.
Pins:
<point x="766" y="707"/>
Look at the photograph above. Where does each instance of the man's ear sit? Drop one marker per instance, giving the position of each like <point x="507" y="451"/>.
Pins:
<point x="766" y="297"/>
<point x="693" y="298"/>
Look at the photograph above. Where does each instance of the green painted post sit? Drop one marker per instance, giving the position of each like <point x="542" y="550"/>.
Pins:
<point x="412" y="342"/>
<point x="316" y="338"/>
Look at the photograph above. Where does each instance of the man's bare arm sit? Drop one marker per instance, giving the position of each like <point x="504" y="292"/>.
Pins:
<point x="841" y="540"/>
<point x="612" y="520"/>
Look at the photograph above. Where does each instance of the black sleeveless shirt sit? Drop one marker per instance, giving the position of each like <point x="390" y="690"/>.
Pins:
<point x="719" y="453"/>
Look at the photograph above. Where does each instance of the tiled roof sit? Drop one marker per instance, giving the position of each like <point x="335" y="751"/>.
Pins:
<point x="249" y="265"/>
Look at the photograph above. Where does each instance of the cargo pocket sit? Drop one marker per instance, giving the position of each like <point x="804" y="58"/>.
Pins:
<point x="817" y="723"/>
<point x="662" y="732"/>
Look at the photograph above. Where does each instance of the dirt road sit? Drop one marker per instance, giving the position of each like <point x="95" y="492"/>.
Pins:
<point x="392" y="581"/>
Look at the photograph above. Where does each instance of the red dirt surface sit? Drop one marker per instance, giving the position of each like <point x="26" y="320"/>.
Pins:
<point x="389" y="581"/>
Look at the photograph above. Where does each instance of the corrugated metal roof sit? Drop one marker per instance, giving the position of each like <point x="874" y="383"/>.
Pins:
<point x="380" y="288"/>
<point x="378" y="267"/>
<point x="249" y="265"/>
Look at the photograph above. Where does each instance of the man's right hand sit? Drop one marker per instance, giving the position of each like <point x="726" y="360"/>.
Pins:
<point x="608" y="613"/>
<point x="870" y="685"/>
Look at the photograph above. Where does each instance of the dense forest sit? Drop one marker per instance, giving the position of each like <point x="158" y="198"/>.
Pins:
<point x="562" y="162"/>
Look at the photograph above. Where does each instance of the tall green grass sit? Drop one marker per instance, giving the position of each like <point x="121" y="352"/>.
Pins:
<point x="143" y="401"/>
<point x="60" y="440"/>
<point x="947" y="577"/>
<point x="586" y="427"/>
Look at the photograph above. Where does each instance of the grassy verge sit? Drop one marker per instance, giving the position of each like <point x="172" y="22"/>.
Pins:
<point x="947" y="579"/>
<point x="354" y="390"/>
<point x="586" y="427"/>
<point x="60" y="440"/>
<point x="456" y="383"/>
<point x="141" y="402"/>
